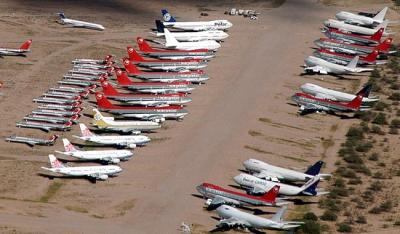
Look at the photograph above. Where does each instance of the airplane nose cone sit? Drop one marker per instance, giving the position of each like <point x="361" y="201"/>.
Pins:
<point x="326" y="23"/>
<point x="247" y="163"/>
<point x="237" y="179"/>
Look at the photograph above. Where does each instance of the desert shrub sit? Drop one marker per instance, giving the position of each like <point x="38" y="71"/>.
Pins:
<point x="375" y="74"/>
<point x="376" y="130"/>
<point x="344" y="227"/>
<point x="364" y="147"/>
<point x="386" y="206"/>
<point x="329" y="216"/>
<point x="375" y="210"/>
<point x="355" y="181"/>
<point x="378" y="175"/>
<point x="380" y="106"/>
<point x="331" y="204"/>
<point x="395" y="96"/>
<point x="353" y="158"/>
<point x="376" y="186"/>
<point x="374" y="156"/>
<point x="368" y="196"/>
<point x="397" y="223"/>
<point x="393" y="131"/>
<point x="395" y="86"/>
<point x="395" y="123"/>
<point x="310" y="227"/>
<point x="361" y="219"/>
<point x="335" y="192"/>
<point x="380" y="119"/>
<point x="355" y="133"/>
<point x="310" y="216"/>
<point x="365" y="115"/>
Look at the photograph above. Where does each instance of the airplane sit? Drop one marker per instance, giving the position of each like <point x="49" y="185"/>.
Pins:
<point x="62" y="101"/>
<point x="216" y="35"/>
<point x="267" y="171"/>
<point x="235" y="218"/>
<point x="79" y="24"/>
<point x="342" y="26"/>
<point x="119" y="141"/>
<point x="56" y="94"/>
<point x="59" y="107"/>
<point x="144" y="99"/>
<point x="75" y="82"/>
<point x="108" y="123"/>
<point x="172" y="43"/>
<point x="107" y="59"/>
<point x="344" y="59"/>
<point x="217" y="196"/>
<point x="152" y="87"/>
<point x="169" y="21"/>
<point x="163" y="64"/>
<point x="342" y="47"/>
<point x="91" y="172"/>
<point x="173" y="54"/>
<point x="197" y="77"/>
<point x="47" y="127"/>
<point x="352" y="38"/>
<point x="321" y="66"/>
<point x="309" y="103"/>
<point x="58" y="113"/>
<point x="51" y="119"/>
<point x="352" y="18"/>
<point x="70" y="89"/>
<point x="33" y="141"/>
<point x="85" y="71"/>
<point x="261" y="186"/>
<point x="334" y="95"/>
<point x="23" y="49"/>
<point x="108" y="156"/>
<point x="141" y="112"/>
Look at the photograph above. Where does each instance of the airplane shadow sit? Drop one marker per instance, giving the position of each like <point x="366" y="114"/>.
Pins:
<point x="52" y="177"/>
<point x="300" y="202"/>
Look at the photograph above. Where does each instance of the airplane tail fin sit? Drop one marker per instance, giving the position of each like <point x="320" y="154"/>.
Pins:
<point x="85" y="131"/>
<point x="122" y="78"/>
<point x="356" y="102"/>
<point x="54" y="162"/>
<point x="133" y="55"/>
<point x="169" y="39"/>
<point x="61" y="14"/>
<point x="385" y="45"/>
<point x="102" y="101"/>
<point x="108" y="89"/>
<point x="378" y="35"/>
<point x="310" y="188"/>
<point x="130" y="68"/>
<point x="353" y="63"/>
<point x="160" y="26"/>
<point x="383" y="25"/>
<point x="167" y="17"/>
<point x="314" y="169"/>
<point x="365" y="91"/>
<point x="53" y="138"/>
<point x="68" y="146"/>
<point x="381" y="15"/>
<point x="143" y="45"/>
<point x="278" y="216"/>
<point x="271" y="195"/>
<point x="98" y="119"/>
<point x="372" y="56"/>
<point x="26" y="45"/>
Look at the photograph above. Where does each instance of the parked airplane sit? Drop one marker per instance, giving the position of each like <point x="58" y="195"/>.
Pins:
<point x="17" y="52"/>
<point x="344" y="59"/>
<point x="153" y="87"/>
<point x="217" y="196"/>
<point x="318" y="65"/>
<point x="342" y="26"/>
<point x="58" y="113"/>
<point x="163" y="64"/>
<point x="173" y="54"/>
<point x="107" y="59"/>
<point x="234" y="218"/>
<point x="75" y="83"/>
<point x="144" y="99"/>
<point x="47" y="127"/>
<point x="59" y="107"/>
<point x="141" y="112"/>
<point x="51" y="119"/>
<point x="352" y="18"/>
<point x="216" y="35"/>
<point x="336" y="34"/>
<point x="109" y="156"/>
<point x="119" y="141"/>
<point x="267" y="171"/>
<point x="192" y="76"/>
<point x="91" y="172"/>
<point x="261" y="186"/>
<point x="79" y="24"/>
<point x="343" y="47"/>
<point x="309" y="104"/>
<point x="108" y="123"/>
<point x="33" y="141"/>
<point x="172" y="43"/>
<point x="169" y="21"/>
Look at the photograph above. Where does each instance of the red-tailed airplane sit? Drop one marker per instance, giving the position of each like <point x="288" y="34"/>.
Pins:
<point x="220" y="196"/>
<point x="309" y="104"/>
<point x="342" y="47"/>
<point x="17" y="52"/>
<point x="173" y="54"/>
<point x="344" y="59"/>
<point x="336" y="34"/>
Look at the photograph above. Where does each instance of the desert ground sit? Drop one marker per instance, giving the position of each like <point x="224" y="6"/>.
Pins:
<point x="242" y="112"/>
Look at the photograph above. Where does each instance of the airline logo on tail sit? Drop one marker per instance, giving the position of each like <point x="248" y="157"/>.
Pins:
<point x="54" y="162"/>
<point x="84" y="130"/>
<point x="167" y="16"/>
<point x="68" y="146"/>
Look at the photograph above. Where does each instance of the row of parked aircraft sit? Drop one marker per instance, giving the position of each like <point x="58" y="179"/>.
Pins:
<point x="265" y="185"/>
<point x="354" y="43"/>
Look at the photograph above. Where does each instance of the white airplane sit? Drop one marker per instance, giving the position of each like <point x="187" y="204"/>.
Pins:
<point x="169" y="21"/>
<point x="234" y="218"/>
<point x="119" y="141"/>
<point x="344" y="27"/>
<point x="108" y="123"/>
<point x="79" y="24"/>
<point x="352" y="18"/>
<point x="216" y="35"/>
<point x="92" y="172"/>
<point x="17" y="52"/>
<point x="318" y="65"/>
<point x="260" y="186"/>
<point x="109" y="156"/>
<point x="172" y="43"/>
<point x="334" y="95"/>
<point x="267" y="171"/>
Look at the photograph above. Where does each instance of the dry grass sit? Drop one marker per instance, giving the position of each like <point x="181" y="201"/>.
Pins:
<point x="51" y="191"/>
<point x="77" y="209"/>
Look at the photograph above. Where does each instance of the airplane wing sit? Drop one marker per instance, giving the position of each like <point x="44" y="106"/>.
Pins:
<point x="257" y="190"/>
<point x="98" y="176"/>
<point x="233" y="222"/>
<point x="325" y="96"/>
<point x="217" y="201"/>
<point x="316" y="69"/>
<point x="269" y="176"/>
<point x="31" y="144"/>
<point x="354" y="21"/>
<point x="310" y="108"/>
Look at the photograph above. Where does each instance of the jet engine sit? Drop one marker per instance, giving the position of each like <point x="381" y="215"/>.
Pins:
<point x="132" y="146"/>
<point x="115" y="160"/>
<point x="103" y="177"/>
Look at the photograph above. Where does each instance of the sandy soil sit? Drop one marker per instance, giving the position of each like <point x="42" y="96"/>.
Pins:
<point x="253" y="77"/>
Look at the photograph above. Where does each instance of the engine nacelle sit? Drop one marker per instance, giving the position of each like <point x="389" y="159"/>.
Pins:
<point x="208" y="201"/>
<point x="103" y="177"/>
<point x="115" y="160"/>
<point x="132" y="146"/>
